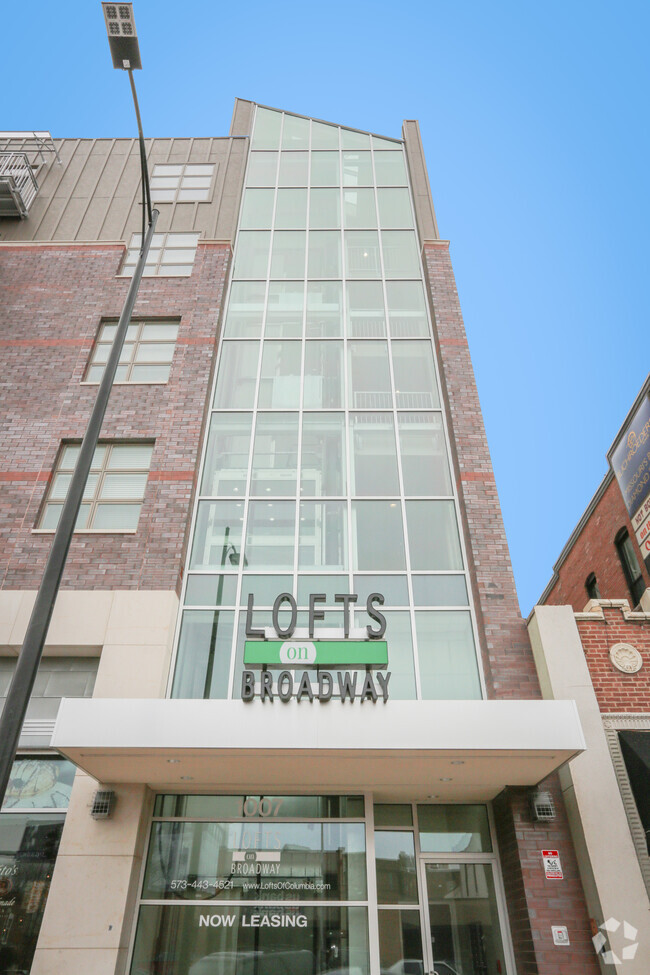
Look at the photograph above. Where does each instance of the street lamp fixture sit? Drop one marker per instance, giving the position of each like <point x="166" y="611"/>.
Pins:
<point x="122" y="35"/>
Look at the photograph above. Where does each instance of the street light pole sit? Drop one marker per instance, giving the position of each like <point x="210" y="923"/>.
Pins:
<point x="13" y="715"/>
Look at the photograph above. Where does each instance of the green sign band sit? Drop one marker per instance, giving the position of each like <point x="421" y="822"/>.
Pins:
<point x="319" y="653"/>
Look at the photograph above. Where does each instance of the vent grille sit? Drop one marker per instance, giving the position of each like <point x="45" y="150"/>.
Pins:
<point x="103" y="804"/>
<point x="542" y="806"/>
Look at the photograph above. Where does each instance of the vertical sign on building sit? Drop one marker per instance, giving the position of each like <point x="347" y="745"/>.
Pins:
<point x="630" y="461"/>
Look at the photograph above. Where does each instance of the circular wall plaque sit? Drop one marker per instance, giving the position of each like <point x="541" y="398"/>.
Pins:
<point x="626" y="658"/>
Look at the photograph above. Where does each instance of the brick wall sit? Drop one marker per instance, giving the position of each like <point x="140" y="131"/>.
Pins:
<point x="594" y="551"/>
<point x="599" y="631"/>
<point x="52" y="300"/>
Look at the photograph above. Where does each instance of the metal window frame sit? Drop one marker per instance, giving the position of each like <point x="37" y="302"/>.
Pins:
<point x="135" y="343"/>
<point x="180" y="181"/>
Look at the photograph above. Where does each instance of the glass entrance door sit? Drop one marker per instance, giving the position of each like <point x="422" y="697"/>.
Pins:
<point x="462" y="918"/>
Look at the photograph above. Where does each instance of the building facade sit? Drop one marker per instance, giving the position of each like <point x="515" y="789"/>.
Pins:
<point x="316" y="724"/>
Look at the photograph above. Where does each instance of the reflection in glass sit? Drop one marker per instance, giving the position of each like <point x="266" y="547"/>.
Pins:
<point x="365" y="301"/>
<point x="323" y="455"/>
<point x="433" y="535"/>
<point x="377" y="534"/>
<point x="393" y="814"/>
<point x="448" y="664"/>
<point x="323" y="386"/>
<point x="39" y="782"/>
<point x="270" y="534"/>
<point x="323" y="535"/>
<point x="237" y="376"/>
<point x="425" y="467"/>
<point x="454" y="829"/>
<point x="245" y="310"/>
<point x="357" y="169"/>
<point x="324" y="254"/>
<point x="275" y="454"/>
<point x="396" y="872"/>
<point x="288" y="258"/>
<point x="373" y="454"/>
<point x="234" y="807"/>
<point x="204" y="650"/>
<point x="226" y="460"/>
<point x="284" y="311"/>
<point x="280" y="375"/>
<point x="401" y="256"/>
<point x="362" y="254"/>
<point x="210" y="590"/>
<point x="217" y="535"/>
<point x="325" y="208"/>
<point x="400" y="942"/>
<point x="369" y="375"/>
<point x="415" y="377"/>
<point x="324" y="309"/>
<point x="252" y="254"/>
<point x="264" y="588"/>
<point x="295" y="132"/>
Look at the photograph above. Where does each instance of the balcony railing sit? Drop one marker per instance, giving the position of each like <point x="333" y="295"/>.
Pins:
<point x="18" y="185"/>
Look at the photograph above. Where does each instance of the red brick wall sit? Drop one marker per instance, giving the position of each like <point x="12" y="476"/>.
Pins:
<point x="594" y="551"/>
<point x="615" y="691"/>
<point x="52" y="300"/>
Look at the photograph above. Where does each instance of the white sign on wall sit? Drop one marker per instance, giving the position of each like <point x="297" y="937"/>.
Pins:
<point x="552" y="865"/>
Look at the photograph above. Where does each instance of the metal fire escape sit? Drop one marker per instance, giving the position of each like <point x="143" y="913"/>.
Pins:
<point x="21" y="155"/>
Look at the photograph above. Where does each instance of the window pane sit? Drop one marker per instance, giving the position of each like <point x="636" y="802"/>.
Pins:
<point x="130" y="457"/>
<point x="329" y="585"/>
<point x="433" y="535"/>
<point x="280" y="377"/>
<point x="108" y="516"/>
<point x="218" y="534"/>
<point x="324" y="136"/>
<point x="415" y="379"/>
<point x="401" y="257"/>
<point x="323" y="455"/>
<point x="264" y="588"/>
<point x="166" y="331"/>
<point x="396" y="871"/>
<point x="377" y="535"/>
<point x="267" y="129"/>
<point x="182" y="240"/>
<point x="69" y="457"/>
<point x="323" y="386"/>
<point x="406" y="311"/>
<point x="393" y="588"/>
<point x="440" y="591"/>
<point x="359" y="208"/>
<point x="362" y="254"/>
<point x="257" y="210"/>
<point x="262" y="168"/>
<point x="295" y="132"/>
<point x="369" y="375"/>
<point x="226" y="459"/>
<point x="390" y="169"/>
<point x="284" y="312"/>
<point x="252" y="254"/>
<point x="324" y="309"/>
<point x="204" y="651"/>
<point x="357" y="169"/>
<point x="400" y="652"/>
<point x="388" y="814"/>
<point x="323" y="535"/>
<point x="199" y="169"/>
<point x="237" y="375"/>
<point x="425" y="467"/>
<point x="324" y="254"/>
<point x="270" y="535"/>
<point x="448" y="665"/>
<point x="394" y="208"/>
<point x="293" y="169"/>
<point x="400" y="942"/>
<point x="288" y="259"/>
<point x="454" y="829"/>
<point x="275" y="454"/>
<point x="162" y="196"/>
<point x="325" y="208"/>
<point x="291" y="209"/>
<point x="165" y="169"/>
<point x="245" y="309"/>
<point x="123" y="486"/>
<point x="366" y="317"/>
<point x="154" y="352"/>
<point x="210" y="590"/>
<point x="150" y="374"/>
<point x="325" y="169"/>
<point x="354" y="140"/>
<point x="373" y="454"/>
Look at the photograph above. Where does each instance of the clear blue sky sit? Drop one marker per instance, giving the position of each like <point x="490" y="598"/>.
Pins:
<point x="534" y="119"/>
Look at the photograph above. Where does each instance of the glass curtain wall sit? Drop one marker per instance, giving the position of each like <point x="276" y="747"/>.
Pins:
<point x="326" y="466"/>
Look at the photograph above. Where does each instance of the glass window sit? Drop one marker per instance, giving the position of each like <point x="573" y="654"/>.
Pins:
<point x="400" y="651"/>
<point x="252" y="254"/>
<point x="354" y="140"/>
<point x="373" y="454"/>
<point x="288" y="260"/>
<point x="280" y="375"/>
<point x="323" y="388"/>
<point x="275" y="454"/>
<point x="256" y="807"/>
<point x="114" y="490"/>
<point x="401" y="256"/>
<point x="377" y="534"/>
<point x="406" y="310"/>
<point x="293" y="169"/>
<point x="226" y="460"/>
<point x="328" y="585"/>
<point x="325" y="208"/>
<point x="454" y="829"/>
<point x="257" y="210"/>
<point x="245" y="310"/>
<point x="366" y="318"/>
<point x="324" y="136"/>
<point x="325" y="169"/>
<point x="448" y="665"/>
<point x="415" y="378"/>
<point x="440" y="591"/>
<point x="323" y="542"/>
<point x="390" y="169"/>
<point x="284" y="311"/>
<point x="291" y="209"/>
<point x="262" y="168"/>
<point x="400" y="942"/>
<point x="323" y="455"/>
<point x="264" y="588"/>
<point x="425" y="467"/>
<point x="324" y="254"/>
<point x="237" y="375"/>
<point x="270" y="534"/>
<point x="38" y="782"/>
<point x="393" y="814"/>
<point x="204" y="652"/>
<point x="359" y="208"/>
<point x="217" y="535"/>
<point x="295" y="132"/>
<point x="357" y="169"/>
<point x="362" y="254"/>
<point x="396" y="867"/>
<point x="266" y="134"/>
<point x="145" y="357"/>
<point x="210" y="590"/>
<point x="393" y="588"/>
<point x="433" y="535"/>
<point x="369" y="375"/>
<point x="394" y="208"/>
<point x="188" y="182"/>
<point x="170" y="254"/>
<point x="324" y="309"/>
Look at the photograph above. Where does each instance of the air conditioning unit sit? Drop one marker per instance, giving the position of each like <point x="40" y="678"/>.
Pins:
<point x="542" y="806"/>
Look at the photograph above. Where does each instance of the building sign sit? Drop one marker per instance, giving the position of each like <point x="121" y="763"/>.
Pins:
<point x="552" y="865"/>
<point x="630" y="459"/>
<point x="317" y="653"/>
